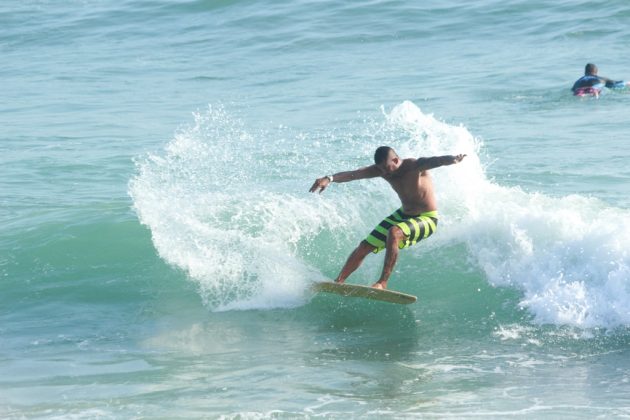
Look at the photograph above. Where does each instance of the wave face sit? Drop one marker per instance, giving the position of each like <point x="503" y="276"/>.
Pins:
<point x="229" y="207"/>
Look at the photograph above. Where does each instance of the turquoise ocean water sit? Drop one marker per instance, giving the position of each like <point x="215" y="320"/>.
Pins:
<point x="157" y="239"/>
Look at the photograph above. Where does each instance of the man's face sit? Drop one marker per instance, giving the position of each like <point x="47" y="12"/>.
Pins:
<point x="389" y="165"/>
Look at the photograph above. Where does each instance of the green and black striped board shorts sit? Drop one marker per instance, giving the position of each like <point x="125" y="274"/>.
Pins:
<point x="415" y="228"/>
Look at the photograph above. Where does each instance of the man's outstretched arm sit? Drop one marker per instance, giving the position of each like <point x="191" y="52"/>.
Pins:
<point x="615" y="84"/>
<point x="320" y="184"/>
<point x="424" y="164"/>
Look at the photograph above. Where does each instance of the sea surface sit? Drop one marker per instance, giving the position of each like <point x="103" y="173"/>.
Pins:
<point x="158" y="240"/>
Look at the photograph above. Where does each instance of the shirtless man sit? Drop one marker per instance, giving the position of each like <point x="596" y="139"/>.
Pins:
<point x="414" y="221"/>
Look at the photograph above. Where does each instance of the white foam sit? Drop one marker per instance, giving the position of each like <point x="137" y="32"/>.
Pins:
<point x="568" y="255"/>
<point x="210" y="216"/>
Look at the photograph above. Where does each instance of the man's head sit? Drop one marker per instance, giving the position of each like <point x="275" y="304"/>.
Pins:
<point x="590" y="69"/>
<point x="386" y="160"/>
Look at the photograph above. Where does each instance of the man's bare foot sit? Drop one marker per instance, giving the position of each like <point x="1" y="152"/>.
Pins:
<point x="379" y="285"/>
<point x="339" y="281"/>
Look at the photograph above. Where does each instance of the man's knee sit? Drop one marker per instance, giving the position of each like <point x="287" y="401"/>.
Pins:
<point x="365" y="247"/>
<point x="396" y="233"/>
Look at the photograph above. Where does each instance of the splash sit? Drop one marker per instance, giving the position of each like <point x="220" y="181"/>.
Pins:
<point x="567" y="255"/>
<point x="210" y="214"/>
<point x="229" y="206"/>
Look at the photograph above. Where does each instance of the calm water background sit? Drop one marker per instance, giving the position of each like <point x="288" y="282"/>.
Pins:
<point x="157" y="239"/>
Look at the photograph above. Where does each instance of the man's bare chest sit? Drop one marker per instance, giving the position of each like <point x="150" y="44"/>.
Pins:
<point x="407" y="182"/>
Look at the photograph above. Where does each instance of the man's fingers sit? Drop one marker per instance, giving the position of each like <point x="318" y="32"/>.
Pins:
<point x="319" y="186"/>
<point x="316" y="186"/>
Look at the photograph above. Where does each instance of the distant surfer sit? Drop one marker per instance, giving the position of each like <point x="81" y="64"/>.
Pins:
<point x="417" y="218"/>
<point x="592" y="84"/>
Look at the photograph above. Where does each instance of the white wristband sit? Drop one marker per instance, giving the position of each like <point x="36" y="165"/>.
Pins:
<point x="330" y="178"/>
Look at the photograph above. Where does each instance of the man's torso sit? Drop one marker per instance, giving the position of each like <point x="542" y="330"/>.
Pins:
<point x="414" y="188"/>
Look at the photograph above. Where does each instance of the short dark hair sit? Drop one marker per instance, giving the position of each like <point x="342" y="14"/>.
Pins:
<point x="590" y="69"/>
<point x="381" y="154"/>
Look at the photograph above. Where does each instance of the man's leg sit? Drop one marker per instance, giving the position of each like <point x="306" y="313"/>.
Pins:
<point x="394" y="236"/>
<point x="354" y="261"/>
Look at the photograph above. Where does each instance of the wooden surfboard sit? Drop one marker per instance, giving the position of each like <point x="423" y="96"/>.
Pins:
<point x="366" y="292"/>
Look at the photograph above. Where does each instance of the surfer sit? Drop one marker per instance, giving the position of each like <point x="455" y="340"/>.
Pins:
<point x="415" y="220"/>
<point x="592" y="84"/>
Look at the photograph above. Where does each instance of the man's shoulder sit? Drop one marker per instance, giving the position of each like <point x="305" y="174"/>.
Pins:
<point x="410" y="163"/>
<point x="589" y="78"/>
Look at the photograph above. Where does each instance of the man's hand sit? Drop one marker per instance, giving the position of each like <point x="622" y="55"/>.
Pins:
<point x="458" y="158"/>
<point x="320" y="184"/>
